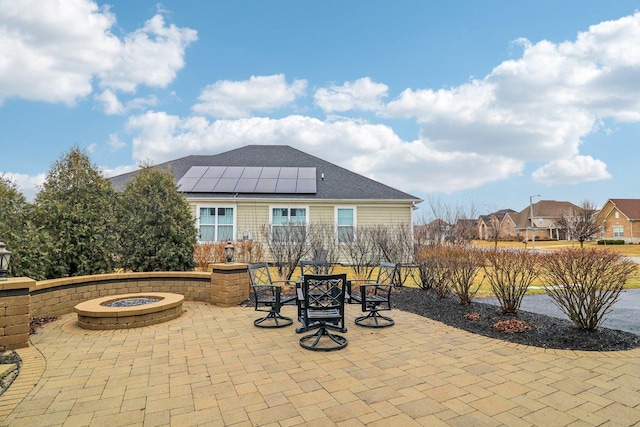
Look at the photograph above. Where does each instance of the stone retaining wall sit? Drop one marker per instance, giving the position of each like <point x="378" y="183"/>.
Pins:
<point x="14" y="312"/>
<point x="58" y="296"/>
<point x="23" y="299"/>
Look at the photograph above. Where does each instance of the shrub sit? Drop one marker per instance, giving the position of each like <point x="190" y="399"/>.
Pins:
<point x="208" y="252"/>
<point x="611" y="242"/>
<point x="75" y="219"/>
<point x="156" y="228"/>
<point x="433" y="270"/>
<point x="585" y="283"/>
<point x="510" y="273"/>
<point x="464" y="264"/>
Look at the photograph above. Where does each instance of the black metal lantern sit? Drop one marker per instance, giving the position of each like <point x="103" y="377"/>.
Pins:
<point x="229" y="249"/>
<point x="5" y="256"/>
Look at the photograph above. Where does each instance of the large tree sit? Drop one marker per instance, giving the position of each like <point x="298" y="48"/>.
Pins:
<point x="157" y="229"/>
<point x="74" y="214"/>
<point x="17" y="231"/>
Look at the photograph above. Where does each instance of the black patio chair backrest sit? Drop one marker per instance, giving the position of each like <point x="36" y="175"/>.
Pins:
<point x="259" y="274"/>
<point x="325" y="292"/>
<point x="386" y="273"/>
<point x="313" y="267"/>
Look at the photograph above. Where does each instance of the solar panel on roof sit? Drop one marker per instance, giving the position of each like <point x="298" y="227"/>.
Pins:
<point x="250" y="179"/>
<point x="246" y="185"/>
<point x="205" y="185"/>
<point x="252" y="172"/>
<point x="225" y="185"/>
<point x="195" y="172"/>
<point x="266" y="186"/>
<point x="307" y="186"/>
<point x="307" y="173"/>
<point x="215" y="171"/>
<point x="233" y="172"/>
<point x="270" y="172"/>
<point x="288" y="173"/>
<point x="286" y="186"/>
<point x="186" y="184"/>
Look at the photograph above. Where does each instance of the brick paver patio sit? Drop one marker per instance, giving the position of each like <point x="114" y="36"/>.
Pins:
<point x="213" y="367"/>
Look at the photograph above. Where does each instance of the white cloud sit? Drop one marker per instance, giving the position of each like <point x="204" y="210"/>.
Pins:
<point x="538" y="107"/>
<point x="111" y="105"/>
<point x="115" y="142"/>
<point x="118" y="170"/>
<point x="149" y="56"/>
<point x="29" y="185"/>
<point x="52" y="51"/>
<point x="373" y="150"/>
<point x="572" y="171"/>
<point x="233" y="99"/>
<point x="362" y="94"/>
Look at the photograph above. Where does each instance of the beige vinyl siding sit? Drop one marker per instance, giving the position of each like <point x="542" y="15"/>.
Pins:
<point x="321" y="213"/>
<point x="383" y="214"/>
<point x="253" y="215"/>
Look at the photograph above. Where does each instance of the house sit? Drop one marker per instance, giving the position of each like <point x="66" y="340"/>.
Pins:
<point x="543" y="218"/>
<point x="235" y="194"/>
<point x="620" y="219"/>
<point x="467" y="228"/>
<point x="490" y="226"/>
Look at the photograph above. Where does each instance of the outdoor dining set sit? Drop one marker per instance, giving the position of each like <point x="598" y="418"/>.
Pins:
<point x="320" y="299"/>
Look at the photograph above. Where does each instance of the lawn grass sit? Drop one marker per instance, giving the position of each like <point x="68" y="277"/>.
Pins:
<point x="626" y="250"/>
<point x="537" y="287"/>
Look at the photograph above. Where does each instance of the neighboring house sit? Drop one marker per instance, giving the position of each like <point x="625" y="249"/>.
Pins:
<point x="545" y="222"/>
<point x="490" y="226"/>
<point x="467" y="228"/>
<point x="235" y="194"/>
<point x="436" y="230"/>
<point x="620" y="219"/>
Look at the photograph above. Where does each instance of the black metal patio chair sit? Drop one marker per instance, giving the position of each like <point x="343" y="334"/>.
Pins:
<point x="306" y="268"/>
<point x="322" y="298"/>
<point x="375" y="297"/>
<point x="268" y="297"/>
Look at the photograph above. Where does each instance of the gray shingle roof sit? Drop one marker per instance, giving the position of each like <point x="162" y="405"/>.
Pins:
<point x="338" y="183"/>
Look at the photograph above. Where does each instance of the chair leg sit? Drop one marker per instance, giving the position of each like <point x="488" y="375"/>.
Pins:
<point x="278" y="320"/>
<point x="313" y="341"/>
<point x="374" y="320"/>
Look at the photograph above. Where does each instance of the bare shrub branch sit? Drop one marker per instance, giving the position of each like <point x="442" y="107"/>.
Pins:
<point x="362" y="252"/>
<point x="287" y="245"/>
<point x="395" y="244"/>
<point x="464" y="266"/>
<point x="585" y="283"/>
<point x="433" y="269"/>
<point x="510" y="273"/>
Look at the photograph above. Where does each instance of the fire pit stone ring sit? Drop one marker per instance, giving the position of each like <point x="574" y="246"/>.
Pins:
<point x="137" y="310"/>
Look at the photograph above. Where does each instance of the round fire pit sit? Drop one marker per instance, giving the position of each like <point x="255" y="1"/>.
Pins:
<point x="129" y="310"/>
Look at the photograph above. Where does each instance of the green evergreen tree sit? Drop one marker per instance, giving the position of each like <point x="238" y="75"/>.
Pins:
<point x="19" y="233"/>
<point x="158" y="231"/>
<point x="75" y="212"/>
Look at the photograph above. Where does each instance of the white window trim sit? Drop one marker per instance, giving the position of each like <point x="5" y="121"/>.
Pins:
<point x="288" y="206"/>
<point x="216" y="206"/>
<point x="619" y="227"/>
<point x="355" y="220"/>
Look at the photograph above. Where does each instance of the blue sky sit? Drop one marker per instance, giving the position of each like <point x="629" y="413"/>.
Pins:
<point x="482" y="103"/>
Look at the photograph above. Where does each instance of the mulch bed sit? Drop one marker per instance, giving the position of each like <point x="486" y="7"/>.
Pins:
<point x="526" y="328"/>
